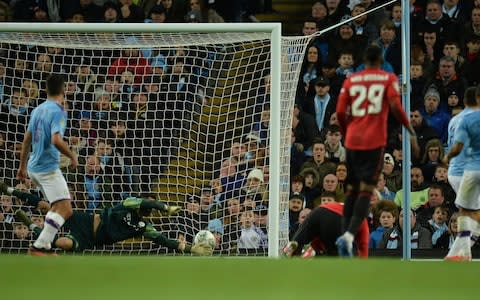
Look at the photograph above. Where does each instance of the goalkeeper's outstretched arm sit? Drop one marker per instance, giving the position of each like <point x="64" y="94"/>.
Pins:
<point x="145" y="205"/>
<point x="158" y="238"/>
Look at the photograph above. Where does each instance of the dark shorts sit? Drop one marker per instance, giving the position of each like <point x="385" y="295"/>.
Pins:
<point x="364" y="165"/>
<point x="322" y="225"/>
<point x="80" y="230"/>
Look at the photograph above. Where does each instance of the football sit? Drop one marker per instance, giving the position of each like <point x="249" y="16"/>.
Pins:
<point x="205" y="236"/>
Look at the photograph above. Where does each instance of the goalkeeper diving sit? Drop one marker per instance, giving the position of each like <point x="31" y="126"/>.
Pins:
<point x="111" y="225"/>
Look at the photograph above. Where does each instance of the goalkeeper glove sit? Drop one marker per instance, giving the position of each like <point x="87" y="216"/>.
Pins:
<point x="202" y="249"/>
<point x="169" y="210"/>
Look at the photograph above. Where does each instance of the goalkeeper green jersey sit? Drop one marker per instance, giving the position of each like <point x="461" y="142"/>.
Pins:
<point x="119" y="223"/>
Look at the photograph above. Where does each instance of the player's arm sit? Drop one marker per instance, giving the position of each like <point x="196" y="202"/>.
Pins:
<point x="454" y="151"/>
<point x="461" y="136"/>
<point x="159" y="239"/>
<point x="27" y="143"/>
<point x="29" y="198"/>
<point x="393" y="94"/>
<point x="63" y="147"/>
<point x="341" y="109"/>
<point x="135" y="203"/>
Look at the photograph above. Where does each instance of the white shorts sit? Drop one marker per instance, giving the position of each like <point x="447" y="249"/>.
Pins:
<point x="455" y="182"/>
<point x="468" y="195"/>
<point x="52" y="184"/>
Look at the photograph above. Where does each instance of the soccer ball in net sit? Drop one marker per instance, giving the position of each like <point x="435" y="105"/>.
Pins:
<point x="205" y="237"/>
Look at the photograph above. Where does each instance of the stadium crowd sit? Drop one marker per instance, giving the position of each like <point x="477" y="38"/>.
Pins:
<point x="117" y="98"/>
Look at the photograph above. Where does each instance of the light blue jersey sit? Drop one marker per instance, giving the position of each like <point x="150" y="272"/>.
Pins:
<point x="457" y="164"/>
<point x="46" y="120"/>
<point x="468" y="133"/>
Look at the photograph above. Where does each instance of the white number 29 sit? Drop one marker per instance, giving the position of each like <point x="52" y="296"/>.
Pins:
<point x="374" y="96"/>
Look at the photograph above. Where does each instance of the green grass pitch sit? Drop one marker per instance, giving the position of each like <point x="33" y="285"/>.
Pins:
<point x="157" y="277"/>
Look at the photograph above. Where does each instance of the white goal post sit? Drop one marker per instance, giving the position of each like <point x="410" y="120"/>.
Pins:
<point x="234" y="53"/>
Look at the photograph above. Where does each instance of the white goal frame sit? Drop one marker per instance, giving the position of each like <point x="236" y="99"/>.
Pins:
<point x="274" y="29"/>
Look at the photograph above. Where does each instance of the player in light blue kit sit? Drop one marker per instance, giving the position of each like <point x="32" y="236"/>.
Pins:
<point x="468" y="196"/>
<point x="457" y="164"/>
<point x="45" y="135"/>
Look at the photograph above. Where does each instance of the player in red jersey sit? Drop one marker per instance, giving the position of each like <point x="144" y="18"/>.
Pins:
<point x="321" y="228"/>
<point x="362" y="111"/>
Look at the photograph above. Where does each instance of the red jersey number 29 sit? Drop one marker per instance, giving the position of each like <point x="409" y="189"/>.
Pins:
<point x="361" y="93"/>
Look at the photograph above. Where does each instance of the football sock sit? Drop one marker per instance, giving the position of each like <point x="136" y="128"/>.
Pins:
<point x="461" y="245"/>
<point x="475" y="233"/>
<point x="348" y="237"/>
<point x="350" y="198"/>
<point x="360" y="211"/>
<point x="53" y="222"/>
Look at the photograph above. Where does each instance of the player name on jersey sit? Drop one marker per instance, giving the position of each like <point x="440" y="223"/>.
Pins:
<point x="369" y="77"/>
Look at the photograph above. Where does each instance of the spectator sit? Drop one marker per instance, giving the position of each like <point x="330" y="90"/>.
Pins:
<point x="441" y="178"/>
<point x="456" y="12"/>
<point x="445" y="241"/>
<point x="157" y="15"/>
<point x="319" y="161"/>
<point x="305" y="128"/>
<point x="111" y="13"/>
<point x="447" y="80"/>
<point x="319" y="14"/>
<point x="311" y="190"/>
<point x="301" y="218"/>
<point x="432" y="157"/>
<point x="174" y="12"/>
<point x="297" y="183"/>
<point x="330" y="184"/>
<point x="390" y="44"/>
<point x="130" y="12"/>
<point x="472" y="56"/>
<point x="419" y="191"/>
<point x="385" y="215"/>
<point x="203" y="13"/>
<point x="345" y="64"/>
<point x="322" y="105"/>
<point x="91" y="11"/>
<point x="251" y="237"/>
<point x="452" y="49"/>
<point x="345" y="40"/>
<point x="393" y="176"/>
<point x="435" y="20"/>
<point x="417" y="81"/>
<point x="362" y="25"/>
<point x="215" y="226"/>
<point x="435" y="198"/>
<point x="433" y="46"/>
<point x="438" y="224"/>
<point x="435" y="118"/>
<point x="310" y="70"/>
<point x="96" y="186"/>
<point x="382" y="188"/>
<point x="329" y="72"/>
<point x="341" y="174"/>
<point x="335" y="151"/>
<point x="420" y="237"/>
<point x="297" y="156"/>
<point x="422" y="129"/>
<point x="471" y="29"/>
<point x="132" y="59"/>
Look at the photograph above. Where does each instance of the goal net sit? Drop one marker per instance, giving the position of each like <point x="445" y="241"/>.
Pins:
<point x="190" y="117"/>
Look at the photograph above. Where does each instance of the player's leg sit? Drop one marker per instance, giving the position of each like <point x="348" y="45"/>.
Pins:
<point x="55" y="189"/>
<point x="306" y="232"/>
<point x="468" y="200"/>
<point x="365" y="166"/>
<point x="28" y="198"/>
